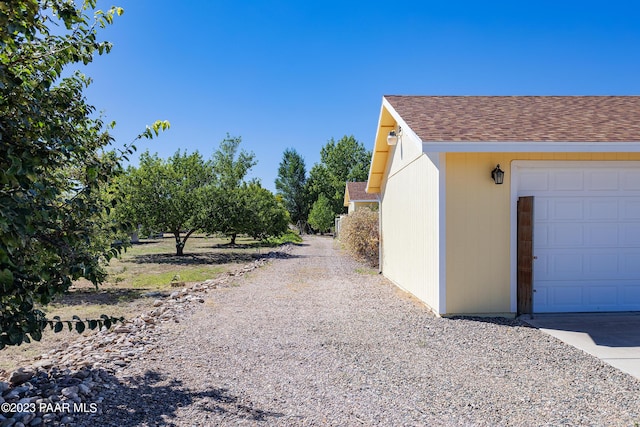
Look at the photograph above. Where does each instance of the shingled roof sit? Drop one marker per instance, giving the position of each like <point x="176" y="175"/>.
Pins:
<point x="357" y="193"/>
<point x="521" y="118"/>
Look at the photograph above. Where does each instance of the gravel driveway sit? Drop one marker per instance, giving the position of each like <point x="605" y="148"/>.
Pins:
<point x="317" y="339"/>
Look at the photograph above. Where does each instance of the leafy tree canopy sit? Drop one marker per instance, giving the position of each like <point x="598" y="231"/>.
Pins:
<point x="321" y="216"/>
<point x="55" y="163"/>
<point x="341" y="161"/>
<point x="291" y="185"/>
<point x="167" y="195"/>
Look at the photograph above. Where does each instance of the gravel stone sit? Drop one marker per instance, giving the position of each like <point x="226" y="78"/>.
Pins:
<point x="317" y="339"/>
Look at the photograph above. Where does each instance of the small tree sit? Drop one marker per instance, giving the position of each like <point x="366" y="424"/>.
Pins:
<point x="321" y="216"/>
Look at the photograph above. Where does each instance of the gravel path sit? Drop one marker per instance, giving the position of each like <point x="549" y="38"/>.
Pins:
<point x="315" y="339"/>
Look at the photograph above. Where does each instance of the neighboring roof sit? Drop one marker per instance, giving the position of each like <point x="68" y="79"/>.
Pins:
<point x="507" y="123"/>
<point x="521" y="118"/>
<point x="355" y="192"/>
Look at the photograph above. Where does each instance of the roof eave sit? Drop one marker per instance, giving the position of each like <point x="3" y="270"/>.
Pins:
<point x="529" y="146"/>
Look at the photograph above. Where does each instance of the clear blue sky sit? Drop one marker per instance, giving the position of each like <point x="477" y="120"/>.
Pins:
<point x="297" y="73"/>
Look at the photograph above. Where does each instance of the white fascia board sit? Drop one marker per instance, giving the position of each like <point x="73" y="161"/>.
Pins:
<point x="406" y="130"/>
<point x="529" y="147"/>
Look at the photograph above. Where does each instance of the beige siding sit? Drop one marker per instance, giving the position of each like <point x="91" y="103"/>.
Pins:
<point x="478" y="221"/>
<point x="409" y="216"/>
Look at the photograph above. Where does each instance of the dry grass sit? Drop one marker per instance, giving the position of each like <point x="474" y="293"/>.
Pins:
<point x="150" y="266"/>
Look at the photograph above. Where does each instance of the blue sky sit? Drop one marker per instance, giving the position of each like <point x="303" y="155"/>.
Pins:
<point x="296" y="73"/>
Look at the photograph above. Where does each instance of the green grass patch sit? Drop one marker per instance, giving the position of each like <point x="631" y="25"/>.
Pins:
<point x="164" y="279"/>
<point x="289" y="237"/>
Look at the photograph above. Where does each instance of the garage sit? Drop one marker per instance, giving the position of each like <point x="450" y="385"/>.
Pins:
<point x="586" y="234"/>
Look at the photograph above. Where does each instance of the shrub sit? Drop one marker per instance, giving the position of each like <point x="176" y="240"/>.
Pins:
<point x="359" y="234"/>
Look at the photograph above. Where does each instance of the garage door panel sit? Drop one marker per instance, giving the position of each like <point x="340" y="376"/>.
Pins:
<point x="563" y="266"/>
<point x="566" y="210"/>
<point x="533" y="181"/>
<point x="631" y="295"/>
<point x="605" y="265"/>
<point x="567" y="180"/>
<point x="631" y="210"/>
<point x="601" y="209"/>
<point x="630" y="235"/>
<point x="630" y="180"/>
<point x="631" y="263"/>
<point x="566" y="234"/>
<point x="601" y="295"/>
<point x="586" y="235"/>
<point x="601" y="181"/>
<point x="598" y="235"/>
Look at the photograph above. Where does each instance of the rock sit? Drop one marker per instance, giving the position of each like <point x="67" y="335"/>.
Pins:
<point x="20" y="376"/>
<point x="174" y="295"/>
<point x="122" y="330"/>
<point x="8" y="422"/>
<point x="157" y="303"/>
<point x="44" y="364"/>
<point x="153" y="294"/>
<point x="27" y="418"/>
<point x="36" y="421"/>
<point x="49" y="417"/>
<point x="66" y="419"/>
<point x="4" y="387"/>
<point x="69" y="391"/>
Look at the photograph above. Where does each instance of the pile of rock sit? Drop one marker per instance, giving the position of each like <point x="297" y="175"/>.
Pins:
<point x="76" y="379"/>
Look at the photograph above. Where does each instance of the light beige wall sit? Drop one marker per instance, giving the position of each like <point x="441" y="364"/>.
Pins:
<point x="409" y="216"/>
<point x="478" y="227"/>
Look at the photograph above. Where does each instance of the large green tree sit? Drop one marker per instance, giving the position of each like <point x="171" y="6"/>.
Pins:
<point x="225" y="211"/>
<point x="55" y="161"/>
<point x="291" y="185"/>
<point x="167" y="195"/>
<point x="341" y="161"/>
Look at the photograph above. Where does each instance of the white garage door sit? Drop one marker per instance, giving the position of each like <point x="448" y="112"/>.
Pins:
<point x="586" y="235"/>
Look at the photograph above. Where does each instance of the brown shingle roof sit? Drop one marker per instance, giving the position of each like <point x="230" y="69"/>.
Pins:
<point x="521" y="118"/>
<point x="357" y="192"/>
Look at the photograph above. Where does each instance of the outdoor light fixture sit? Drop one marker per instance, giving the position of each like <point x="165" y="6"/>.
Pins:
<point x="393" y="137"/>
<point x="497" y="175"/>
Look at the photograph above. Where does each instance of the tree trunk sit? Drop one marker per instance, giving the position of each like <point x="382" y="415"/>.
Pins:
<point x="179" y="244"/>
<point x="233" y="239"/>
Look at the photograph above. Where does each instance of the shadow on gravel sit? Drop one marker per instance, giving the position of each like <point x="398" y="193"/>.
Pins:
<point x="152" y="399"/>
<point x="501" y="321"/>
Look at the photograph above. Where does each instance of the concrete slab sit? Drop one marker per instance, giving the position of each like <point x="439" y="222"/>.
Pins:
<point x="612" y="337"/>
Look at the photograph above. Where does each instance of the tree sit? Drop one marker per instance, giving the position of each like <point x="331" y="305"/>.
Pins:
<point x="167" y="195"/>
<point x="55" y="163"/>
<point x="321" y="216"/>
<point x="266" y="216"/>
<point x="225" y="210"/>
<point x="342" y="161"/>
<point x="231" y="166"/>
<point x="291" y="184"/>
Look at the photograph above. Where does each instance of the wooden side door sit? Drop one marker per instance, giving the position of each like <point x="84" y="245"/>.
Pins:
<point x="525" y="255"/>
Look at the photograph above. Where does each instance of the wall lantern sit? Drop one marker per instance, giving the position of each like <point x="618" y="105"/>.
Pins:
<point x="497" y="175"/>
<point x="393" y="137"/>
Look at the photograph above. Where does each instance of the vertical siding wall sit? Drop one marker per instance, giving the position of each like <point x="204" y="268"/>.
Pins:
<point x="410" y="228"/>
<point x="478" y="227"/>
